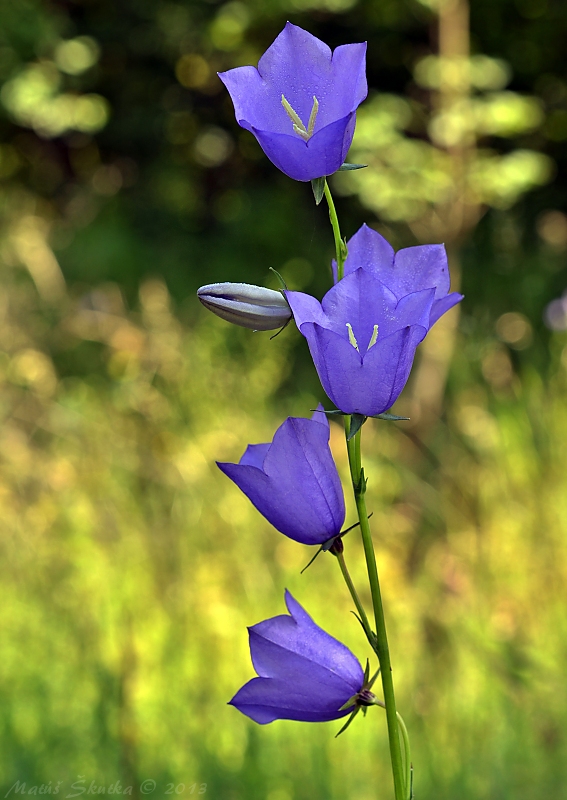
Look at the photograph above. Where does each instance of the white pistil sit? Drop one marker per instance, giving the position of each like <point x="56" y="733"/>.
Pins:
<point x="373" y="338"/>
<point x="305" y="132"/>
<point x="351" y="337"/>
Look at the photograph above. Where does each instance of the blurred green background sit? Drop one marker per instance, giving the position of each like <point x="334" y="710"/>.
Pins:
<point x="130" y="565"/>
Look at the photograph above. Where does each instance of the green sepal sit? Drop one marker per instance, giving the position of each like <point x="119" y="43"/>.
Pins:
<point x="318" y="186"/>
<point x="283" y="289"/>
<point x="356" y="423"/>
<point x="344" y="250"/>
<point x="347" y="167"/>
<point x="371" y="636"/>
<point x="385" y="415"/>
<point x="326" y="546"/>
<point x="350" y="702"/>
<point x="347" y="723"/>
<point x="362" y="483"/>
<point x="283" y="327"/>
<point x="279" y="277"/>
<point x="319" y="551"/>
<point x="370" y="683"/>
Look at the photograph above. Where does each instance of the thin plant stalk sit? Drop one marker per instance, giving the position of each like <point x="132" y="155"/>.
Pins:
<point x="401" y="780"/>
<point x="382" y="649"/>
<point x="339" y="244"/>
<point x="354" y="595"/>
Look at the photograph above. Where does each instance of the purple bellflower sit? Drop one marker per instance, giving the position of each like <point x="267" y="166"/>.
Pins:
<point x="364" y="334"/>
<point x="304" y="674"/>
<point x="300" y="103"/>
<point x="293" y="480"/>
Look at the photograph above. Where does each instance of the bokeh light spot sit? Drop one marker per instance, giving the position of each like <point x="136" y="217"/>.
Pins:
<point x="75" y="56"/>
<point x="514" y="329"/>
<point x="192" y="71"/>
<point x="212" y="147"/>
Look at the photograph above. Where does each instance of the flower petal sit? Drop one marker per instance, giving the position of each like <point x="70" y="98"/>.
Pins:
<point x="413" y="309"/>
<point x="300" y="457"/>
<point x="267" y="699"/>
<point x="339" y="367"/>
<point x="368" y="385"/>
<point x="443" y="305"/>
<point x="387" y="366"/>
<point x="408" y="270"/>
<point x="349" y="87"/>
<point x="293" y="481"/>
<point x="255" y="104"/>
<point x="322" y="155"/>
<point x="301" y="66"/>
<point x="296" y="648"/>
<point x="369" y="250"/>
<point x="421" y="267"/>
<point x="254" y="455"/>
<point x="306" y="308"/>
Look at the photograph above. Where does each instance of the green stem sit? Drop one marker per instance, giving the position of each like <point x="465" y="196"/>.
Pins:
<point x="354" y="595"/>
<point x="339" y="245"/>
<point x="382" y="650"/>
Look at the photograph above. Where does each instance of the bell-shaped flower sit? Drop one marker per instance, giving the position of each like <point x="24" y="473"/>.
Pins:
<point x="364" y="334"/>
<point x="362" y="340"/>
<point x="247" y="305"/>
<point x="304" y="674"/>
<point x="293" y="480"/>
<point x="300" y="103"/>
<point x="409" y="270"/>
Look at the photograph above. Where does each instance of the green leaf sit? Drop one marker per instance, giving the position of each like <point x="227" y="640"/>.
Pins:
<point x="347" y="167"/>
<point x="318" y="186"/>
<point x="356" y="423"/>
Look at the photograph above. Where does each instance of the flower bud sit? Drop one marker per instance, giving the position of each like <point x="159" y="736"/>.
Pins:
<point x="247" y="305"/>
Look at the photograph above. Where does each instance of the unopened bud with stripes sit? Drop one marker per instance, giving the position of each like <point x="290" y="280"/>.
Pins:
<point x="247" y="305"/>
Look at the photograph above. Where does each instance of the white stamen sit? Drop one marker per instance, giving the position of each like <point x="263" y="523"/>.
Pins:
<point x="305" y="132"/>
<point x="373" y="338"/>
<point x="351" y="337"/>
<point x="313" y="117"/>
